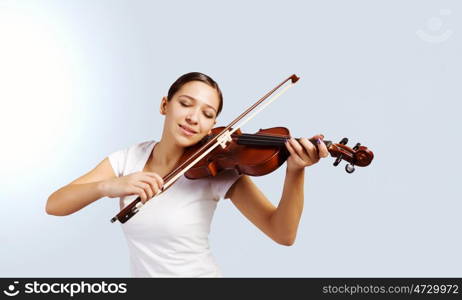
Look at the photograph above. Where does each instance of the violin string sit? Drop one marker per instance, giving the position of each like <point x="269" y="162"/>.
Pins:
<point x="262" y="137"/>
<point x="263" y="141"/>
<point x="268" y="139"/>
<point x="273" y="137"/>
<point x="266" y="136"/>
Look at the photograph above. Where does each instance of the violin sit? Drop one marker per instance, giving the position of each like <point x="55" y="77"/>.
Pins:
<point x="250" y="154"/>
<point x="263" y="152"/>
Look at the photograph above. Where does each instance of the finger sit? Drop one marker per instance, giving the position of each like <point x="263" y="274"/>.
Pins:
<point x="314" y="138"/>
<point x="147" y="189"/>
<point x="289" y="148"/>
<point x="322" y="148"/>
<point x="323" y="152"/>
<point x="294" y="154"/>
<point x="310" y="149"/>
<point x="298" y="148"/>
<point x="153" y="184"/>
<point x="158" y="178"/>
<point x="141" y="193"/>
<point x="157" y="186"/>
<point x="318" y="136"/>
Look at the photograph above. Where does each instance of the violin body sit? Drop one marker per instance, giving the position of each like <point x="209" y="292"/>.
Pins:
<point x="249" y="156"/>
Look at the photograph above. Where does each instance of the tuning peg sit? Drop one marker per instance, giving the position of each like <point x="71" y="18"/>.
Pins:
<point x="356" y="147"/>
<point x="349" y="168"/>
<point x="344" y="141"/>
<point x="337" y="161"/>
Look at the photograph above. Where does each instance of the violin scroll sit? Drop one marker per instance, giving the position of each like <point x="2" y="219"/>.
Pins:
<point x="359" y="155"/>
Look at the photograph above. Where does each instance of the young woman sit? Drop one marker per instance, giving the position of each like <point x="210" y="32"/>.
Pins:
<point x="169" y="235"/>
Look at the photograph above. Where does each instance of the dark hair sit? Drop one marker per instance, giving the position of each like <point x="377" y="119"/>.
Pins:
<point x="195" y="76"/>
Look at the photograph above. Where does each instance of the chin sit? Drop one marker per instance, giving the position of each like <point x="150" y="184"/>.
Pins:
<point x="184" y="142"/>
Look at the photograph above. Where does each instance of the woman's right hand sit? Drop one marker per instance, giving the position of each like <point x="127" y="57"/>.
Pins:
<point x="144" y="184"/>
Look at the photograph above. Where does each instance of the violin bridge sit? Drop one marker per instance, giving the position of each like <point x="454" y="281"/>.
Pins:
<point x="224" y="138"/>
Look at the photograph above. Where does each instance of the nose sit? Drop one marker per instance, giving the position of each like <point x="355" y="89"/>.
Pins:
<point x="192" y="117"/>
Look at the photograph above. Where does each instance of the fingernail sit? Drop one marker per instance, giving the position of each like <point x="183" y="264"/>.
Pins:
<point x="318" y="141"/>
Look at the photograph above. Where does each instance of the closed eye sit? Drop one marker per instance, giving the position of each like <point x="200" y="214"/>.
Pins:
<point x="206" y="114"/>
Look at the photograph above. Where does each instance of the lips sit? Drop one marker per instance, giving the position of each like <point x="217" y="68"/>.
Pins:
<point x="187" y="130"/>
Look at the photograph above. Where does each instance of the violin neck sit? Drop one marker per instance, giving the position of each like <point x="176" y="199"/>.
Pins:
<point x="268" y="140"/>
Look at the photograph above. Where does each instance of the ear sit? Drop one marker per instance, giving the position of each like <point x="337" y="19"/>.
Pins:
<point x="163" y="106"/>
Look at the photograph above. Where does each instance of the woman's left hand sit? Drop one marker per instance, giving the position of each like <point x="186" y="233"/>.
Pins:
<point x="303" y="153"/>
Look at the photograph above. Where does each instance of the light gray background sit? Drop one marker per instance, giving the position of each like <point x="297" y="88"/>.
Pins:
<point x="81" y="79"/>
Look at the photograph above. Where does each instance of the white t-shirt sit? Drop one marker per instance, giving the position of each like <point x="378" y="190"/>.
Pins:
<point x="168" y="237"/>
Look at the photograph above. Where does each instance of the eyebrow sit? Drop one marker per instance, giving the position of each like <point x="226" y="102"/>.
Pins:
<point x="194" y="99"/>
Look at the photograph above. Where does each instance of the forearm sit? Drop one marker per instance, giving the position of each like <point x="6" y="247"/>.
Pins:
<point x="74" y="197"/>
<point x="286" y="218"/>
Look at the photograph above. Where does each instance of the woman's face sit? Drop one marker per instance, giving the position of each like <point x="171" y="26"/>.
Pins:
<point x="191" y="113"/>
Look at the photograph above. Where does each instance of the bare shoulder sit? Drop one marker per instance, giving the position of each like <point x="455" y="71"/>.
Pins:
<point x="102" y="171"/>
